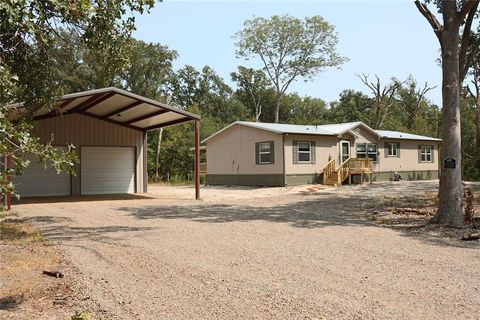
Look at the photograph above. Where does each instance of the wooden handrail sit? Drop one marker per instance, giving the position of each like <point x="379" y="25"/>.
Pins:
<point x="336" y="175"/>
<point x="328" y="170"/>
<point x="343" y="171"/>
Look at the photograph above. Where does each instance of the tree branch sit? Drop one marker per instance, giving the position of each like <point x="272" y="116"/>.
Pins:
<point x="470" y="91"/>
<point x="464" y="60"/>
<point x="436" y="26"/>
<point x="468" y="7"/>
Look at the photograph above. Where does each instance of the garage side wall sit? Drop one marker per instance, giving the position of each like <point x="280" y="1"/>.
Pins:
<point x="81" y="130"/>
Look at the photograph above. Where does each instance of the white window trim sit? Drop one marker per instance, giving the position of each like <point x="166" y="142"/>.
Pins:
<point x="426" y="153"/>
<point x="264" y="152"/>
<point x="309" y="152"/>
<point x="388" y="149"/>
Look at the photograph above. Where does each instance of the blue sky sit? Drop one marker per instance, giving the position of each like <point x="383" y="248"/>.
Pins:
<point x="387" y="38"/>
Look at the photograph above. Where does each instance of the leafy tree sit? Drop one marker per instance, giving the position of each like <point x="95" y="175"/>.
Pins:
<point x="289" y="48"/>
<point x="75" y="66"/>
<point x="473" y="90"/>
<point x="306" y="111"/>
<point x="27" y="40"/>
<point x="149" y="71"/>
<point x="351" y="106"/>
<point x="253" y="84"/>
<point x="186" y="90"/>
<point x="455" y="61"/>
<point x="412" y="100"/>
<point x="468" y="111"/>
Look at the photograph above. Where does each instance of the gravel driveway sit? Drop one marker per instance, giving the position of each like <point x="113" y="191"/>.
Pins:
<point x="270" y="253"/>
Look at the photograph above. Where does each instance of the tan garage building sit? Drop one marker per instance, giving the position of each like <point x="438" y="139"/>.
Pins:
<point x="108" y="128"/>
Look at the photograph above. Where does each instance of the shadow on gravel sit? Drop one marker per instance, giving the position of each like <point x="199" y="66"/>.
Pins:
<point x="85" y="198"/>
<point x="333" y="211"/>
<point x="440" y="241"/>
<point x="58" y="229"/>
<point x="10" y="303"/>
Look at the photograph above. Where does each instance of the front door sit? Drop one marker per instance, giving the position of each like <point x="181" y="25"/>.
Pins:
<point x="344" y="150"/>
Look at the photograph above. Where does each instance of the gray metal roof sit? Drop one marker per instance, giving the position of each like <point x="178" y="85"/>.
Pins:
<point x="402" y="135"/>
<point x="323" y="130"/>
<point x="288" y="128"/>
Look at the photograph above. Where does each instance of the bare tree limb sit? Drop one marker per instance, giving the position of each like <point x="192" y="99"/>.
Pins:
<point x="436" y="26"/>
<point x="464" y="59"/>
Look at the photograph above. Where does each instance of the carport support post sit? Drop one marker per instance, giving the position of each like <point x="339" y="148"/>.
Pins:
<point x="197" y="159"/>
<point x="8" y="198"/>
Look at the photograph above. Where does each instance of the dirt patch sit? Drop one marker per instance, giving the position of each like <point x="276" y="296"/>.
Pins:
<point x="412" y="214"/>
<point x="25" y="293"/>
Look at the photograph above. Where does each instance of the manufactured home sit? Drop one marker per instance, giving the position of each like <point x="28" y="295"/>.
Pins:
<point x="267" y="154"/>
<point x="108" y="128"/>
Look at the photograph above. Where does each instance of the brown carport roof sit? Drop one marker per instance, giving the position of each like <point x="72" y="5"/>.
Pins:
<point x="120" y="107"/>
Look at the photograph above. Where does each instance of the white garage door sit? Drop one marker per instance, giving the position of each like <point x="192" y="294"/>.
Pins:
<point x="38" y="181"/>
<point x="107" y="170"/>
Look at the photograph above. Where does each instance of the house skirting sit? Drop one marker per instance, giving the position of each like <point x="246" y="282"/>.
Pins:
<point x="277" y="180"/>
<point x="406" y="175"/>
<point x="299" y="179"/>
<point x="268" y="180"/>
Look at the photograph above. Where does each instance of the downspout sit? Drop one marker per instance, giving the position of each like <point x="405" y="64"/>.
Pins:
<point x="284" y="166"/>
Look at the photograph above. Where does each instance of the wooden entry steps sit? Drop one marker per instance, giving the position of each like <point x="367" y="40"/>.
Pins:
<point x="335" y="176"/>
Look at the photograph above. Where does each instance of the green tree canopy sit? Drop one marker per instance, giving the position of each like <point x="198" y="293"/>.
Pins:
<point x="289" y="48"/>
<point x="253" y="88"/>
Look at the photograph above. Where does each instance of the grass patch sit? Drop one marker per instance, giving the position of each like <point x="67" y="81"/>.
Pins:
<point x="19" y="232"/>
<point x="84" y="315"/>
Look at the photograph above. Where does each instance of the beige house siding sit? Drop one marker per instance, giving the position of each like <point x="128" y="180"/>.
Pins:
<point x="232" y="152"/>
<point x="325" y="146"/>
<point x="81" y="130"/>
<point x="364" y="136"/>
<point x="408" y="160"/>
<point x="231" y="157"/>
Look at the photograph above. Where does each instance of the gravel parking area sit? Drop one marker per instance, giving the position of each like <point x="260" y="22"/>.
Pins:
<point x="306" y="252"/>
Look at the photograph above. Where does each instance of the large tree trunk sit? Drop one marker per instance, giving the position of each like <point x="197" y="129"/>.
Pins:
<point x="477" y="129"/>
<point x="378" y="109"/>
<point x="277" y="108"/>
<point x="258" y="112"/>
<point x="450" y="210"/>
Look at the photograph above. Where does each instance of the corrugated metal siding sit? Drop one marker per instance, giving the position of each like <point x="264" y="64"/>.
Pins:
<point x="81" y="130"/>
<point x="40" y="180"/>
<point x="107" y="170"/>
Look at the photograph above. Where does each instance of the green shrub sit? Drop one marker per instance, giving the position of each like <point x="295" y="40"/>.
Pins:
<point x="472" y="174"/>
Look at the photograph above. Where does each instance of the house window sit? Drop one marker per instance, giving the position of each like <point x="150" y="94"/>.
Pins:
<point x="304" y="152"/>
<point x="264" y="152"/>
<point x="367" y="150"/>
<point x="392" y="149"/>
<point x="426" y="154"/>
